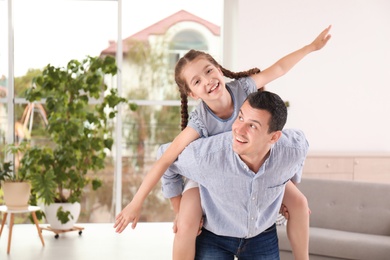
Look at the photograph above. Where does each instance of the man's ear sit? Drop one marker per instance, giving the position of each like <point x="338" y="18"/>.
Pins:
<point x="275" y="136"/>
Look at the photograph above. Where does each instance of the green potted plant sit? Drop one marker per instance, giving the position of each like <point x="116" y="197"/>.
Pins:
<point x="16" y="187"/>
<point x="80" y="134"/>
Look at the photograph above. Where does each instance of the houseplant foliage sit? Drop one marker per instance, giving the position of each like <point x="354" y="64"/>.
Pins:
<point x="80" y="132"/>
<point x="6" y="173"/>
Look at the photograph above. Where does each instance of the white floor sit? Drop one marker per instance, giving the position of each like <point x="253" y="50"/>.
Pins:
<point x="148" y="241"/>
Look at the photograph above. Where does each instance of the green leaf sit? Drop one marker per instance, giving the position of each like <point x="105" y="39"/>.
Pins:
<point x="63" y="216"/>
<point x="96" y="183"/>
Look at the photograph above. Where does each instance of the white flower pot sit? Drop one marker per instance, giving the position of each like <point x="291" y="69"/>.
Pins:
<point x="51" y="215"/>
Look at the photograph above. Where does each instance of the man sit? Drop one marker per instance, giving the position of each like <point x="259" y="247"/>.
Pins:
<point x="241" y="176"/>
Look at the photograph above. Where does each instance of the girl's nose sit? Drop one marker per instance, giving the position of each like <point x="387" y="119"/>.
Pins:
<point x="208" y="82"/>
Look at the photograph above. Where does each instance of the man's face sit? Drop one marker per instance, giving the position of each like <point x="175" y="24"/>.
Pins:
<point x="250" y="132"/>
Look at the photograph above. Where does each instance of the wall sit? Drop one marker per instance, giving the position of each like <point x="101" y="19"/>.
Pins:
<point x="340" y="95"/>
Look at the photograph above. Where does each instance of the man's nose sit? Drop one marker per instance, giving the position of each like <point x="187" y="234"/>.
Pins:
<point x="240" y="128"/>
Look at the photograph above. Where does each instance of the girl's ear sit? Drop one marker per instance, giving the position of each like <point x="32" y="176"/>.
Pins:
<point x="220" y="71"/>
<point x="193" y="95"/>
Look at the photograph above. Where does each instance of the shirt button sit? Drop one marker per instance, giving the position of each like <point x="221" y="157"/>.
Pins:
<point x="252" y="218"/>
<point x="253" y="198"/>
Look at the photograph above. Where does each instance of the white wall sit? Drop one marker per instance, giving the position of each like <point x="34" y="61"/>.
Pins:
<point x="340" y="96"/>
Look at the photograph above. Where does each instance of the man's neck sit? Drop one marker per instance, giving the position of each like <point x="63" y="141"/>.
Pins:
<point x="255" y="162"/>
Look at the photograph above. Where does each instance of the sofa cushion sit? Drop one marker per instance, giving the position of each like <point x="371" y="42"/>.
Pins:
<point x="342" y="244"/>
<point x="348" y="205"/>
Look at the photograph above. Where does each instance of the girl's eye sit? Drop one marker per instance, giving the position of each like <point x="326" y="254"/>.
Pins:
<point x="196" y="82"/>
<point x="209" y="70"/>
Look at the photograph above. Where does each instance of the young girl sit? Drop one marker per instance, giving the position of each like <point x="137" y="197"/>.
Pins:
<point x="199" y="76"/>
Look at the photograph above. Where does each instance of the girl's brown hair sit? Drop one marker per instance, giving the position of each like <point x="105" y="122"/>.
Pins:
<point x="184" y="88"/>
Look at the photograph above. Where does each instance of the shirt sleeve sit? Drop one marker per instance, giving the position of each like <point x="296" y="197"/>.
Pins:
<point x="196" y="122"/>
<point x="294" y="146"/>
<point x="248" y="84"/>
<point x="298" y="175"/>
<point x="300" y="139"/>
<point x="172" y="181"/>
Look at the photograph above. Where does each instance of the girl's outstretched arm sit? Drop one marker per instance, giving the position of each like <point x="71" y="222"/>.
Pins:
<point x="132" y="211"/>
<point x="286" y="63"/>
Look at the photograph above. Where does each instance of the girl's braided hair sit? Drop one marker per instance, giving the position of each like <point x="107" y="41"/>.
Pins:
<point x="184" y="88"/>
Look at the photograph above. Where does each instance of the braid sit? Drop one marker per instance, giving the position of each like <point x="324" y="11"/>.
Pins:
<point x="237" y="75"/>
<point x="184" y="111"/>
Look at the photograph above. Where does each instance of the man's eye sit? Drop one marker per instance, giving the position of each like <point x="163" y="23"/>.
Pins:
<point x="253" y="126"/>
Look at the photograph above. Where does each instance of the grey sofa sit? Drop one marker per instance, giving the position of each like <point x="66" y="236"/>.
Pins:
<point x="349" y="220"/>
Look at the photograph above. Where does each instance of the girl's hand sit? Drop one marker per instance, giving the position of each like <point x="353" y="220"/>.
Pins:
<point x="321" y="39"/>
<point x="130" y="213"/>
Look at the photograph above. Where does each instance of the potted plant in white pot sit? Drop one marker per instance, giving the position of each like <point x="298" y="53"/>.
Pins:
<point x="80" y="134"/>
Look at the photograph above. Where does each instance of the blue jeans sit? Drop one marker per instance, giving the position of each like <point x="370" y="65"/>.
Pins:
<point x="261" y="247"/>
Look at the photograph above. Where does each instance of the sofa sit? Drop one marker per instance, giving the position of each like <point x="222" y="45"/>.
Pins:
<point x="349" y="220"/>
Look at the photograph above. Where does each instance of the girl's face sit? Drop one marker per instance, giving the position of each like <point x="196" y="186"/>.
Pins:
<point x="204" y="79"/>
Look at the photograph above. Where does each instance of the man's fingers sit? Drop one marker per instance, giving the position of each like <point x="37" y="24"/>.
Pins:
<point x="200" y="226"/>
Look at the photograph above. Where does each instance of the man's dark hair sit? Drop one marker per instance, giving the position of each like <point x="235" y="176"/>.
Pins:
<point x="271" y="102"/>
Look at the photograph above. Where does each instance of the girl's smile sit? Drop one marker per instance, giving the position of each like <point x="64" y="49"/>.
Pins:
<point x="213" y="88"/>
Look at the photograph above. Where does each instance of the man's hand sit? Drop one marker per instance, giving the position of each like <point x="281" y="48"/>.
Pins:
<point x="284" y="211"/>
<point x="200" y="226"/>
<point x="130" y="213"/>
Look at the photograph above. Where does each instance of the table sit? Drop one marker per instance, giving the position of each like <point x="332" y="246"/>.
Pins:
<point x="29" y="209"/>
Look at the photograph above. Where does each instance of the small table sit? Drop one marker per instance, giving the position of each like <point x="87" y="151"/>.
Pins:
<point x="29" y="209"/>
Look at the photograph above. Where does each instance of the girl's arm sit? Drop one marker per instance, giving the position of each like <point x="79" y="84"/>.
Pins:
<point x="132" y="211"/>
<point x="286" y="63"/>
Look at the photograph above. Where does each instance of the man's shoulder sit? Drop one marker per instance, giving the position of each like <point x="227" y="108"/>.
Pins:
<point x="293" y="138"/>
<point x="292" y="133"/>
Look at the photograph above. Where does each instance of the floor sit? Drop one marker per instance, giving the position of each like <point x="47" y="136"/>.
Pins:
<point x="148" y="241"/>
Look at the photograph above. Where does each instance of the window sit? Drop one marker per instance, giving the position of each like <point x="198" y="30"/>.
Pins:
<point x="183" y="42"/>
<point x="60" y="30"/>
